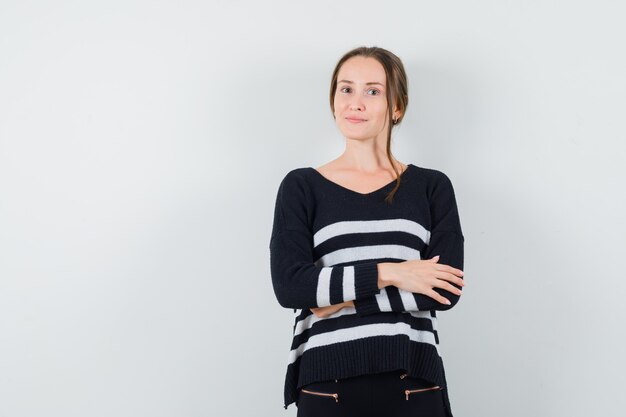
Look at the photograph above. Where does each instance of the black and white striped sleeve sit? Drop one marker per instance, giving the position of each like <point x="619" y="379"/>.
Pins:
<point x="445" y="239"/>
<point x="297" y="281"/>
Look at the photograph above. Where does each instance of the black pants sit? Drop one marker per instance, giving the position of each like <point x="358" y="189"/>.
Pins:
<point x="388" y="394"/>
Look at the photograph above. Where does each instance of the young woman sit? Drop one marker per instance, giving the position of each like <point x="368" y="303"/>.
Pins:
<point x="366" y="250"/>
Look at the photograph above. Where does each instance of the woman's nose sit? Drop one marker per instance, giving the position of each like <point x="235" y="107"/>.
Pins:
<point x="356" y="106"/>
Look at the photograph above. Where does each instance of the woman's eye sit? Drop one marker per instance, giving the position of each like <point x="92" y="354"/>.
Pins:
<point x="376" y="91"/>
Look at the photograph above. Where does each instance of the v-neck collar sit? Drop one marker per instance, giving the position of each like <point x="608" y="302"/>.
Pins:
<point x="384" y="187"/>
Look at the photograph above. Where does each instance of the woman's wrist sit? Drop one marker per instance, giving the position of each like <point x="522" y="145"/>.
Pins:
<point x="385" y="274"/>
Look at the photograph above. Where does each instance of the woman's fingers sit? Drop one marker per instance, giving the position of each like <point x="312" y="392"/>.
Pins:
<point x="321" y="311"/>
<point x="438" y="297"/>
<point x="449" y="274"/>
<point x="423" y="279"/>
<point x="442" y="279"/>
<point x="439" y="283"/>
<point x="324" y="312"/>
<point x="448" y="287"/>
<point x="448" y="268"/>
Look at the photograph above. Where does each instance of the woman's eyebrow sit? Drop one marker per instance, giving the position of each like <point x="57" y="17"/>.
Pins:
<point x="370" y="83"/>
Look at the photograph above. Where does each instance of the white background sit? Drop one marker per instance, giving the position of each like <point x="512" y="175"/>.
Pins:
<point x="142" y="144"/>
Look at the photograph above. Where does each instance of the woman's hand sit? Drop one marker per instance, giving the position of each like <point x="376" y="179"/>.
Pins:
<point x="421" y="276"/>
<point x="328" y="310"/>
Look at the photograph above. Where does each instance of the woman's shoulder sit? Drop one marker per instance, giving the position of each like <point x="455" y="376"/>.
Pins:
<point x="298" y="172"/>
<point x="429" y="172"/>
<point x="437" y="183"/>
<point x="431" y="176"/>
<point x="295" y="183"/>
<point x="296" y="176"/>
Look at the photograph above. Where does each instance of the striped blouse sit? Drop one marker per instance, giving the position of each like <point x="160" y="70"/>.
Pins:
<point x="326" y="243"/>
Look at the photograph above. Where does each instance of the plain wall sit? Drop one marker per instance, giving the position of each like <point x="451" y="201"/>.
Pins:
<point x="141" y="148"/>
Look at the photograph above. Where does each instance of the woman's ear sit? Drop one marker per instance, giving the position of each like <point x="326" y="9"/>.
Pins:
<point x="396" y="113"/>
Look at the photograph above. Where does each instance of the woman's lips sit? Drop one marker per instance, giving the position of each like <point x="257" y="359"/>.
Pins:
<point x="351" y="120"/>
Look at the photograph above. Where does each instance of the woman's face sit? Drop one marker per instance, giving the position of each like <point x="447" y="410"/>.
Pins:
<point x="360" y="99"/>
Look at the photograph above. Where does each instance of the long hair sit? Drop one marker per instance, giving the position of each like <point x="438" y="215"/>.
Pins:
<point x="397" y="91"/>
